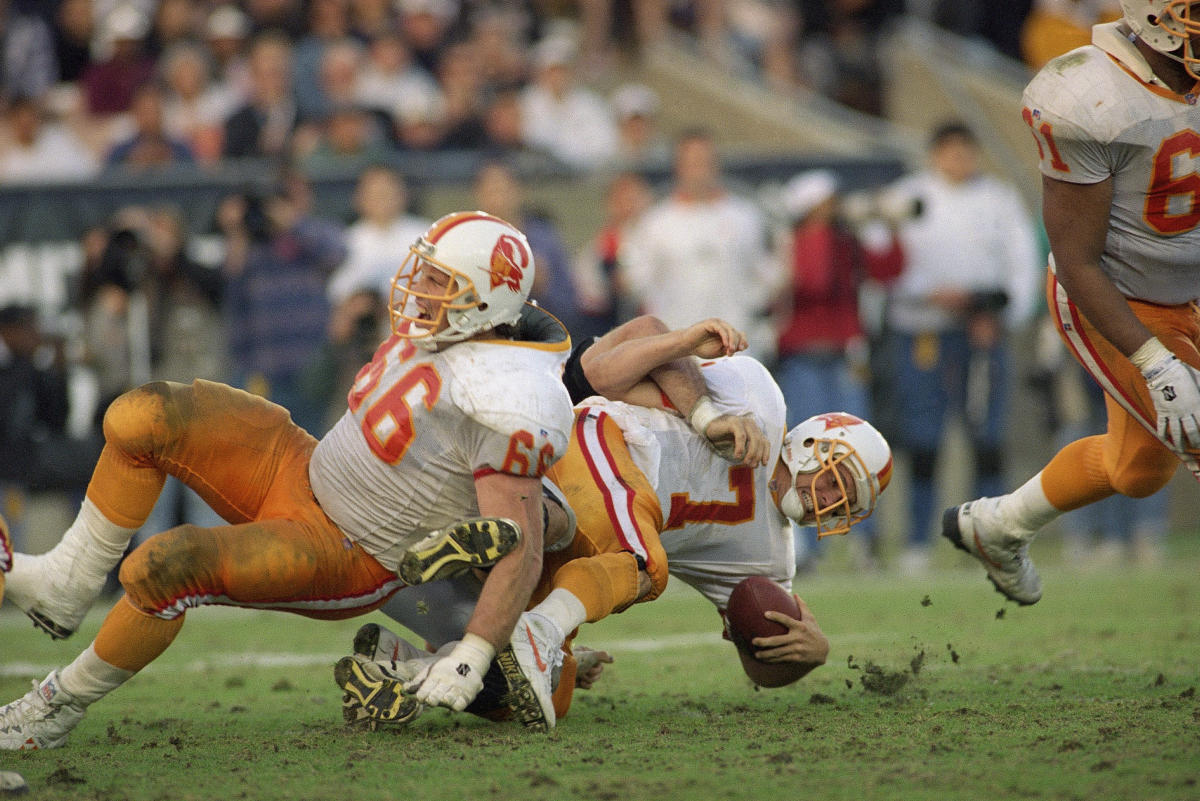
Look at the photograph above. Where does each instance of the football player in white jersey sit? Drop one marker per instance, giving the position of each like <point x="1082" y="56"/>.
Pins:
<point x="1117" y="128"/>
<point x="440" y="454"/>
<point x="650" y="497"/>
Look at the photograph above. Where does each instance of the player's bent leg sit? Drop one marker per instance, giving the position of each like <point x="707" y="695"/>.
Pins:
<point x="448" y="552"/>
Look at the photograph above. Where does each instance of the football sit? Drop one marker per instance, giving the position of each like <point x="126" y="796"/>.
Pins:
<point x="749" y="600"/>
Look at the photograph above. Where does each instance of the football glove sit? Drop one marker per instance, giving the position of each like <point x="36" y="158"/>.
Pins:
<point x="1175" y="390"/>
<point x="454" y="680"/>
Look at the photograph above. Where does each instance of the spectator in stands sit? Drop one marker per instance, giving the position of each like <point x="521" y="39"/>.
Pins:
<point x="461" y="81"/>
<point x="225" y="36"/>
<point x="379" y="238"/>
<point x="597" y="267"/>
<point x="702" y="251"/>
<point x="73" y="30"/>
<point x="370" y="19"/>
<point x="110" y="84"/>
<point x="499" y="191"/>
<point x="498" y="38"/>
<point x="971" y="278"/>
<point x="264" y="125"/>
<point x="839" y="50"/>
<point x="348" y="138"/>
<point x="568" y="121"/>
<point x="389" y="77"/>
<point x="823" y="355"/>
<point x="328" y="25"/>
<point x="640" y="144"/>
<point x="194" y="107"/>
<point x="285" y="17"/>
<point x="173" y="22"/>
<point x="27" y="64"/>
<point x="419" y="123"/>
<point x="36" y="150"/>
<point x="150" y="145"/>
<point x="503" y="132"/>
<point x="278" y="260"/>
<point x="426" y="26"/>
<point x="36" y="453"/>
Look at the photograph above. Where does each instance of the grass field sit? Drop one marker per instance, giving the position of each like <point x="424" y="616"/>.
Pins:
<point x="935" y="689"/>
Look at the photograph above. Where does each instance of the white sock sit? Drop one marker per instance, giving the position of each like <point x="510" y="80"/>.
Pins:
<point x="1026" y="509"/>
<point x="563" y="609"/>
<point x="98" y="535"/>
<point x="89" y="678"/>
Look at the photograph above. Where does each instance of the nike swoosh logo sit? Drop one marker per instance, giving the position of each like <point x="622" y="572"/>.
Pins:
<point x="536" y="655"/>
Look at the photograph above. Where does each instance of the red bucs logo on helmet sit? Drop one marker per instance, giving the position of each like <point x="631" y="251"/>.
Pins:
<point x="838" y="420"/>
<point x="509" y="261"/>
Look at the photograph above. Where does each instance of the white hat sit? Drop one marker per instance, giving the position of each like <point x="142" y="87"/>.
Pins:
<point x="124" y="22"/>
<point x="555" y="50"/>
<point x="808" y="190"/>
<point x="227" y="22"/>
<point x="635" y="100"/>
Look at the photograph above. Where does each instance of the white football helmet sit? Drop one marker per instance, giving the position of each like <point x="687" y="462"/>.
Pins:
<point x="490" y="266"/>
<point x="818" y="446"/>
<point x="1165" y="25"/>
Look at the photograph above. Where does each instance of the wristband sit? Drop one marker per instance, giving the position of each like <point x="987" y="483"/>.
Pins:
<point x="1151" y="352"/>
<point x="702" y="415"/>
<point x="475" y="651"/>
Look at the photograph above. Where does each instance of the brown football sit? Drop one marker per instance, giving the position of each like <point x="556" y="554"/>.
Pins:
<point x="749" y="600"/>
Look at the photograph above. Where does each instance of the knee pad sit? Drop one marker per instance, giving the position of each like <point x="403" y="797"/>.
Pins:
<point x="135" y="422"/>
<point x="164" y="569"/>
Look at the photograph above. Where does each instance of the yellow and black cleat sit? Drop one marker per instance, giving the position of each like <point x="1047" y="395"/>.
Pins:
<point x="370" y="698"/>
<point x="478" y="542"/>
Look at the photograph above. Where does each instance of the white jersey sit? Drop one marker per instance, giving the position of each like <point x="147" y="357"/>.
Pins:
<point x="720" y="524"/>
<point x="1099" y="112"/>
<point x="422" y="426"/>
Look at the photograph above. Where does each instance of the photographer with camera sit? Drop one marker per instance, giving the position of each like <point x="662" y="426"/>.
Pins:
<point x="823" y="355"/>
<point x="971" y="277"/>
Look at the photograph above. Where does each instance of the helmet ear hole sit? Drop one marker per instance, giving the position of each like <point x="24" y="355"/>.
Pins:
<point x="808" y="443"/>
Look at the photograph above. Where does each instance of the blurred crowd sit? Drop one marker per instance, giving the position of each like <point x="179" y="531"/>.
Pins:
<point x="856" y="300"/>
<point x="87" y="85"/>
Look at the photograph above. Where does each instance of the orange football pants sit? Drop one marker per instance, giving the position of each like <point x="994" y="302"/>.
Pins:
<point x="618" y="521"/>
<point x="249" y="461"/>
<point x="1128" y="458"/>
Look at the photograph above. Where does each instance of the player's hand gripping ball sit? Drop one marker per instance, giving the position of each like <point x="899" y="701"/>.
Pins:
<point x="749" y="600"/>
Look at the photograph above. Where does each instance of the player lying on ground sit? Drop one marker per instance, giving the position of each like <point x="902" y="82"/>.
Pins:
<point x="453" y="418"/>
<point x="650" y="496"/>
<point x="1117" y="130"/>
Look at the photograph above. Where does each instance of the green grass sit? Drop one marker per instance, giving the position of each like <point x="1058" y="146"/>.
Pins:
<point x="1091" y="694"/>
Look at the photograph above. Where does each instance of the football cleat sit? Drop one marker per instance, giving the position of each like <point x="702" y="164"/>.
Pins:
<point x="42" y="718"/>
<point x="380" y="644"/>
<point x="373" y="695"/>
<point x="478" y="542"/>
<point x="975" y="527"/>
<point x="530" y="663"/>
